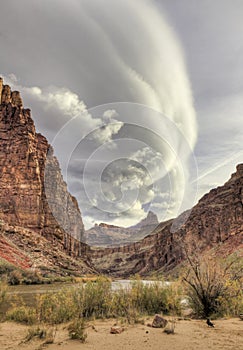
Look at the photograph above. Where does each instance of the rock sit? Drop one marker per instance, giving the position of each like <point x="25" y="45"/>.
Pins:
<point x="159" y="322"/>
<point x="106" y="235"/>
<point x="18" y="246"/>
<point x="216" y="221"/>
<point x="150" y="220"/>
<point x="16" y="99"/>
<point x="33" y="193"/>
<point x="116" y="330"/>
<point x="6" y="94"/>
<point x="1" y="89"/>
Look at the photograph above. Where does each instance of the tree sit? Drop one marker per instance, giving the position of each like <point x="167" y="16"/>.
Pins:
<point x="213" y="285"/>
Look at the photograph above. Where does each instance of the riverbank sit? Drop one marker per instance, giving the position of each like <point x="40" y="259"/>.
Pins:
<point x="189" y="335"/>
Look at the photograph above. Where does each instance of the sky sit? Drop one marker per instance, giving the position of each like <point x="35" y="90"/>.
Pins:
<point x="142" y="100"/>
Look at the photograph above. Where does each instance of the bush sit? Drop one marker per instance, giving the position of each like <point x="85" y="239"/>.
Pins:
<point x="214" y="287"/>
<point x="6" y="268"/>
<point x="32" y="278"/>
<point x="3" y="292"/>
<point x="55" y="308"/>
<point x="3" y="297"/>
<point x="96" y="297"/>
<point x="23" y="314"/>
<point x="155" y="298"/>
<point x="77" y="330"/>
<point x="35" y="332"/>
<point x="15" y="277"/>
<point x="123" y="306"/>
<point x="97" y="300"/>
<point x="145" y="299"/>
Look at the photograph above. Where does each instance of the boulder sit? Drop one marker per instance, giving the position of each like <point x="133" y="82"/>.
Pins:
<point x="159" y="322"/>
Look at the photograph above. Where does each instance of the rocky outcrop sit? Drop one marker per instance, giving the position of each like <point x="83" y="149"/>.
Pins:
<point x="33" y="194"/>
<point x="27" y="249"/>
<point x="219" y="214"/>
<point x="7" y="96"/>
<point x="216" y="221"/>
<point x="150" y="220"/>
<point x="105" y="235"/>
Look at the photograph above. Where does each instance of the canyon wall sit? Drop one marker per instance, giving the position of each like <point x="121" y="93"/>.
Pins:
<point x="216" y="221"/>
<point x="28" y="171"/>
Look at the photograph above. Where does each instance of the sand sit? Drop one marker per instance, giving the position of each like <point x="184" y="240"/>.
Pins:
<point x="189" y="335"/>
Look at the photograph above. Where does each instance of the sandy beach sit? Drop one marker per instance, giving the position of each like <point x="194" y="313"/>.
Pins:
<point x="189" y="335"/>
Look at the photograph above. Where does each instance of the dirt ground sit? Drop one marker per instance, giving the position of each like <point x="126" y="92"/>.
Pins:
<point x="189" y="335"/>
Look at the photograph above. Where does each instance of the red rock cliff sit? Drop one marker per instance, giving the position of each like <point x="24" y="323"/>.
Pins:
<point x="216" y="221"/>
<point x="26" y="160"/>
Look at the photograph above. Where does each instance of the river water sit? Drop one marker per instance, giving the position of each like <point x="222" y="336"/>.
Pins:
<point x="28" y="290"/>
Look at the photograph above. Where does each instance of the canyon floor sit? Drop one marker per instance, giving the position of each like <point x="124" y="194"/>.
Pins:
<point x="189" y="335"/>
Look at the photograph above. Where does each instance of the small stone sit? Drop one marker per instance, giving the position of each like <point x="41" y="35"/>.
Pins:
<point x="116" y="330"/>
<point x="159" y="322"/>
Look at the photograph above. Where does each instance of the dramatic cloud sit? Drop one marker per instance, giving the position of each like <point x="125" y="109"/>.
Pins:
<point x="107" y="83"/>
<point x="211" y="33"/>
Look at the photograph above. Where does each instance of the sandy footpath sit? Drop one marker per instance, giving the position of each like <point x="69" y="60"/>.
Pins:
<point x="189" y="335"/>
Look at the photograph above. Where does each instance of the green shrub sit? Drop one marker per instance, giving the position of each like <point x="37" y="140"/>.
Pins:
<point x="22" y="314"/>
<point x="30" y="277"/>
<point x="148" y="299"/>
<point x="214" y="287"/>
<point x="15" y="277"/>
<point x="123" y="306"/>
<point x="35" y="332"/>
<point x="95" y="298"/>
<point x="6" y="268"/>
<point x="77" y="330"/>
<point x="3" y="298"/>
<point x="55" y="308"/>
<point x="3" y="291"/>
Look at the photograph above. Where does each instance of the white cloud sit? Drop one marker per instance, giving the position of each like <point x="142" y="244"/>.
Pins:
<point x="105" y="132"/>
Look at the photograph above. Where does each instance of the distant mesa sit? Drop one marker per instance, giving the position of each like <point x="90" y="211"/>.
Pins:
<point x="106" y="235"/>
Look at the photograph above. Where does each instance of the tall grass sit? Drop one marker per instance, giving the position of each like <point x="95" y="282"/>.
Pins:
<point x="97" y="300"/>
<point x="3" y="296"/>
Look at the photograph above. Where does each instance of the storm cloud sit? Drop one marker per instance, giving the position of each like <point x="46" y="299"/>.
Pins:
<point x="107" y="84"/>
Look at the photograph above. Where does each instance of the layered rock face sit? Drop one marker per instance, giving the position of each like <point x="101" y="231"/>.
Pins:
<point x="216" y="221"/>
<point x="33" y="193"/>
<point x="104" y="235"/>
<point x="219" y="214"/>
